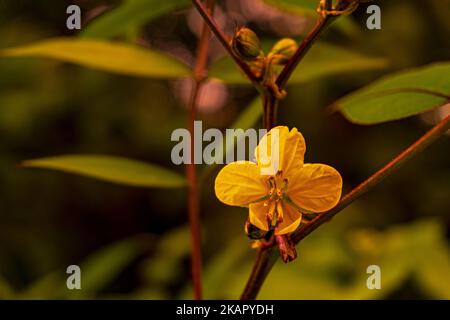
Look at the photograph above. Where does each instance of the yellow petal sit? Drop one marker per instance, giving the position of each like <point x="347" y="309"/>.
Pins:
<point x="257" y="215"/>
<point x="291" y="220"/>
<point x="294" y="153"/>
<point x="291" y="149"/>
<point x="316" y="187"/>
<point x="240" y="183"/>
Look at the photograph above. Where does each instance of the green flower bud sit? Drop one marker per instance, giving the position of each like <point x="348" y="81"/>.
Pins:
<point x="283" y="50"/>
<point x="246" y="44"/>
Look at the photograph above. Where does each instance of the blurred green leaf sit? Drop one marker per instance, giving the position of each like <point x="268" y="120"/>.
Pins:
<point x="298" y="7"/>
<point x="113" y="57"/>
<point x="322" y="60"/>
<point x="102" y="267"/>
<point x="130" y="14"/>
<point x="251" y="114"/>
<point x="6" y="291"/>
<point x="112" y="169"/>
<point x="165" y="267"/>
<point x="216" y="273"/>
<point x="418" y="248"/>
<point x="49" y="286"/>
<point x="432" y="269"/>
<point x="97" y="271"/>
<point x="398" y="96"/>
<point x="246" y="119"/>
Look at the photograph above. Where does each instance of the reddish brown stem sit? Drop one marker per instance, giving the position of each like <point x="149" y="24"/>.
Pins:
<point x="208" y="18"/>
<point x="307" y="43"/>
<point x="200" y="74"/>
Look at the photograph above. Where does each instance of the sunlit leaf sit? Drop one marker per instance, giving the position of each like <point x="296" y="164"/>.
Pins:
<point x="398" y="96"/>
<point x="113" y="57"/>
<point x="322" y="60"/>
<point x="112" y="169"/>
<point x="130" y="14"/>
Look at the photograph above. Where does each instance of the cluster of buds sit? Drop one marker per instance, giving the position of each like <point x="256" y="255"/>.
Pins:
<point x="247" y="46"/>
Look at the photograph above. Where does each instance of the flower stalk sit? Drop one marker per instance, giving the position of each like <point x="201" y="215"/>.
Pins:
<point x="200" y="74"/>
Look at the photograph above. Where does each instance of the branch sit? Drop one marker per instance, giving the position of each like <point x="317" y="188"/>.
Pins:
<point x="267" y="257"/>
<point x="200" y="74"/>
<point x="307" y="43"/>
<point x="224" y="41"/>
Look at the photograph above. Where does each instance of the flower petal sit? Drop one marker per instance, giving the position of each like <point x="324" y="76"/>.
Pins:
<point x="291" y="220"/>
<point x="294" y="153"/>
<point x="240" y="183"/>
<point x="316" y="187"/>
<point x="291" y="148"/>
<point x="257" y="215"/>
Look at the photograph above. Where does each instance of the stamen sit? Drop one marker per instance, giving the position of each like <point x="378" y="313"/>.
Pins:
<point x="280" y="212"/>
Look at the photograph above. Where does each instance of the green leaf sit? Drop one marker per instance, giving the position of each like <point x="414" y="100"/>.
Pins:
<point x="113" y="57"/>
<point x="216" y="273"/>
<point x="102" y="267"/>
<point x="6" y="290"/>
<point x="98" y="270"/>
<point x="131" y="14"/>
<point x="398" y="96"/>
<point x="247" y="119"/>
<point x="298" y="7"/>
<point x="166" y="264"/>
<point x="322" y="60"/>
<point x="432" y="271"/>
<point x="112" y="169"/>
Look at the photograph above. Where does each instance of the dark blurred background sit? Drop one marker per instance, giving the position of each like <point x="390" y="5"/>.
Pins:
<point x="135" y="241"/>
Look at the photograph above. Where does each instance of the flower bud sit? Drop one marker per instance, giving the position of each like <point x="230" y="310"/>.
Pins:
<point x="246" y="44"/>
<point x="286" y="248"/>
<point x="283" y="51"/>
<point x="254" y="232"/>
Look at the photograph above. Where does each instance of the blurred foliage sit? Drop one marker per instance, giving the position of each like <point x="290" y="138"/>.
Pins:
<point x="131" y="14"/>
<point x="49" y="221"/>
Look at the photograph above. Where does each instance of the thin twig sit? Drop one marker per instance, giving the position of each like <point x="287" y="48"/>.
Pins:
<point x="270" y="106"/>
<point x="307" y="43"/>
<point x="267" y="257"/>
<point x="208" y="18"/>
<point x="200" y="74"/>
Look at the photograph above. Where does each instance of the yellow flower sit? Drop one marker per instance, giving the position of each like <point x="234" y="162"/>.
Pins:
<point x="277" y="201"/>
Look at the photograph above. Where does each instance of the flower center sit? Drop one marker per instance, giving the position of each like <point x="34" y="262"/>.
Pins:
<point x="277" y="190"/>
